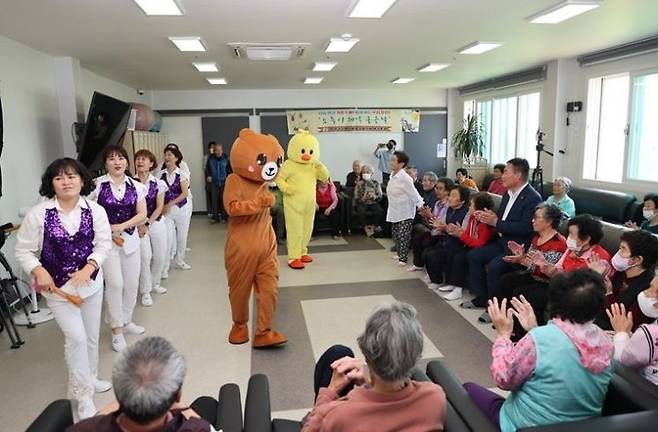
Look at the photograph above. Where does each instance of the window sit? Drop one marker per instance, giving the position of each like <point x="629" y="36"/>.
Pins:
<point x="527" y="127"/>
<point x="605" y="133"/>
<point x="643" y="130"/>
<point x="503" y="129"/>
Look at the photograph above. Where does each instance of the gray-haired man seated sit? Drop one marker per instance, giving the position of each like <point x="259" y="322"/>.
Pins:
<point x="147" y="379"/>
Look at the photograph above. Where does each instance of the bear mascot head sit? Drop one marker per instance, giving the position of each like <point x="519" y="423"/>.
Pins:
<point x="304" y="148"/>
<point x="256" y="156"/>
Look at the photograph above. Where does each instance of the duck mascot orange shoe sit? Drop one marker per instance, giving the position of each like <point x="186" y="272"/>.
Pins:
<point x="250" y="255"/>
<point x="297" y="180"/>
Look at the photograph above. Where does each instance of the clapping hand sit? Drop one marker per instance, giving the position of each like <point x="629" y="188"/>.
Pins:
<point x="518" y="253"/>
<point x="501" y="317"/>
<point x="597" y="264"/>
<point x="539" y="260"/>
<point x="524" y="313"/>
<point x="621" y="321"/>
<point x="438" y="224"/>
<point x="487" y="216"/>
<point x="631" y="224"/>
<point x="425" y="212"/>
<point x="454" y="230"/>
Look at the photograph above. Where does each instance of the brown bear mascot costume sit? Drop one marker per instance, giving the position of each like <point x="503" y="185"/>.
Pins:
<point x="251" y="256"/>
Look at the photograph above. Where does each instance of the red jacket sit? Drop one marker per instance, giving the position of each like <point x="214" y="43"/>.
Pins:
<point x="476" y="234"/>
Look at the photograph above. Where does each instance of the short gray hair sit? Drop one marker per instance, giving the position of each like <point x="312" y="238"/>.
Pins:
<point x="432" y="176"/>
<point x="392" y="342"/>
<point x="366" y="167"/>
<point x="566" y="182"/>
<point x="147" y="378"/>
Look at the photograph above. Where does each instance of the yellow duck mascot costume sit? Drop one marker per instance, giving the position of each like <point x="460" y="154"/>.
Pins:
<point x="250" y="255"/>
<point x="297" y="180"/>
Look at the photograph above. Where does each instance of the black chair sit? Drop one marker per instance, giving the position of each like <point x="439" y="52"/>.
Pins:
<point x="626" y="408"/>
<point x="258" y="412"/>
<point x="224" y="413"/>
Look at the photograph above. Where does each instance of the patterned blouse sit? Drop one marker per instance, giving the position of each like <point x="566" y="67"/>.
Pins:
<point x="367" y="192"/>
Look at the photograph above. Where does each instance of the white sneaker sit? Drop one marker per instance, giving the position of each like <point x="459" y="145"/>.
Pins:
<point x="402" y="264"/>
<point x="395" y="258"/>
<point x="446" y="288"/>
<point x="427" y="279"/>
<point x="183" y="265"/>
<point x="433" y="286"/>
<point x="413" y="268"/>
<point x="118" y="342"/>
<point x="86" y="408"/>
<point x="147" y="300"/>
<point x="133" y="329"/>
<point x="455" y="294"/>
<point x="101" y="386"/>
<point x="159" y="289"/>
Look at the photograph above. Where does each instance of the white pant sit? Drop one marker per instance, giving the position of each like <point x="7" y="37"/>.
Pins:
<point x="80" y="326"/>
<point x="153" y="250"/>
<point x="178" y="225"/>
<point x="121" y="284"/>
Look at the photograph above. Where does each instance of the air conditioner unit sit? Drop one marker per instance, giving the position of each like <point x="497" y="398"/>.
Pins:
<point x="268" y="51"/>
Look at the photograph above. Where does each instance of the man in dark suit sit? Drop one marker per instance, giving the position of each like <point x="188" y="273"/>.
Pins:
<point x="513" y="222"/>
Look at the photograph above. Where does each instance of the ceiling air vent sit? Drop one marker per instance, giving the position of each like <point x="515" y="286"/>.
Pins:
<point x="268" y="51"/>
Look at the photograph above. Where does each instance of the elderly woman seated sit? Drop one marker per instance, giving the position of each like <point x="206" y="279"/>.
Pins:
<point x="558" y="372"/>
<point x="560" y="197"/>
<point x="377" y="394"/>
<point x="367" y="195"/>
<point x="649" y="215"/>
<point x="147" y="380"/>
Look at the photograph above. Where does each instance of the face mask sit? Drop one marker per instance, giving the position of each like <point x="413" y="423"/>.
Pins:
<point x="572" y="245"/>
<point x="646" y="305"/>
<point x="620" y="263"/>
<point x="648" y="214"/>
<point x="366" y="176"/>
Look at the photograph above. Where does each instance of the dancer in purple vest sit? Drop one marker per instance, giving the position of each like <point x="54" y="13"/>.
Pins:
<point x="153" y="234"/>
<point x="63" y="241"/>
<point x="177" y="209"/>
<point x="123" y="200"/>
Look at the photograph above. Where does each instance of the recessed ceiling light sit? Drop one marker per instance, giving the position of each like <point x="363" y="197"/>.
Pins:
<point x="186" y="44"/>
<point x="217" y="81"/>
<point x="312" y="80"/>
<point x="323" y="66"/>
<point x="563" y="11"/>
<point x="206" y="67"/>
<point x="160" y="7"/>
<point x="478" y="47"/>
<point x="433" y="67"/>
<point x="342" y="45"/>
<point x="402" y="80"/>
<point x="370" y="8"/>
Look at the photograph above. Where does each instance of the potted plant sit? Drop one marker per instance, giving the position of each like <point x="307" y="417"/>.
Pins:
<point x="468" y="143"/>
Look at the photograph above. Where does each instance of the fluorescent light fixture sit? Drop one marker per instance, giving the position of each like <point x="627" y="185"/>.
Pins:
<point x="478" y="47"/>
<point x="370" y="8"/>
<point x="432" y="67"/>
<point x="341" y="45"/>
<point x="323" y="66"/>
<point x="402" y="80"/>
<point x="217" y="81"/>
<point x="312" y="80"/>
<point x="563" y="11"/>
<point x="160" y="7"/>
<point x="186" y="44"/>
<point x="269" y="53"/>
<point x="206" y="67"/>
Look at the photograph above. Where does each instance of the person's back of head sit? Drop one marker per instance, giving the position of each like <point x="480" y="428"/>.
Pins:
<point x="577" y="296"/>
<point x="147" y="379"/>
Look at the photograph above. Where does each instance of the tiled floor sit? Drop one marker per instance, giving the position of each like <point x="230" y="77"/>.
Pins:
<point x="326" y="303"/>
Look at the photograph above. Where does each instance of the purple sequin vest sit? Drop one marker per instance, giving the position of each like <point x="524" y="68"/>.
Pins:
<point x="152" y="199"/>
<point x="62" y="253"/>
<point x="175" y="189"/>
<point x="119" y="211"/>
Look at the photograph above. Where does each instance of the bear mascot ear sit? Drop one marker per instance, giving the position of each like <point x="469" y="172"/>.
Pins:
<point x="246" y="150"/>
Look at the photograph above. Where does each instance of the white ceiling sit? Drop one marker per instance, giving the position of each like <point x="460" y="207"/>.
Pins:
<point x="115" y="39"/>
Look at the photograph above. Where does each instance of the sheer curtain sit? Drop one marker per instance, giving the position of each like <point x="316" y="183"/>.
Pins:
<point x="503" y="130"/>
<point x="528" y="123"/>
<point x="643" y="133"/>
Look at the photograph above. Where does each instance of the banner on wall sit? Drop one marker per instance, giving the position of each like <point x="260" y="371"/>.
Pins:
<point x="354" y="120"/>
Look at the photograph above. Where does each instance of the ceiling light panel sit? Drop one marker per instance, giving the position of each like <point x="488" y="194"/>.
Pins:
<point x="402" y="80"/>
<point x="206" y="67"/>
<point x="160" y="7"/>
<point x="478" y="47"/>
<point x="313" y="80"/>
<point x="433" y="67"/>
<point x="370" y="8"/>
<point x="188" y="44"/>
<point x="217" y="81"/>
<point x="563" y="11"/>
<point x="323" y="66"/>
<point x="343" y="45"/>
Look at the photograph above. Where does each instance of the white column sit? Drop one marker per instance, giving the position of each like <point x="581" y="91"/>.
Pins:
<point x="66" y="71"/>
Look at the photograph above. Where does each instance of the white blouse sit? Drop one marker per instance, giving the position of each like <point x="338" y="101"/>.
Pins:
<point x="403" y="198"/>
<point x="118" y="190"/>
<point x="29" y="240"/>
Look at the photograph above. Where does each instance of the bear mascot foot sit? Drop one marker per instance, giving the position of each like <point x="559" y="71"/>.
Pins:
<point x="296" y="264"/>
<point x="269" y="339"/>
<point x="239" y="334"/>
<point x="306" y="259"/>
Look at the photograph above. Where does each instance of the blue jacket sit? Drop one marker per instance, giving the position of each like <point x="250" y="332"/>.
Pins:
<point x="218" y="168"/>
<point x="518" y="225"/>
